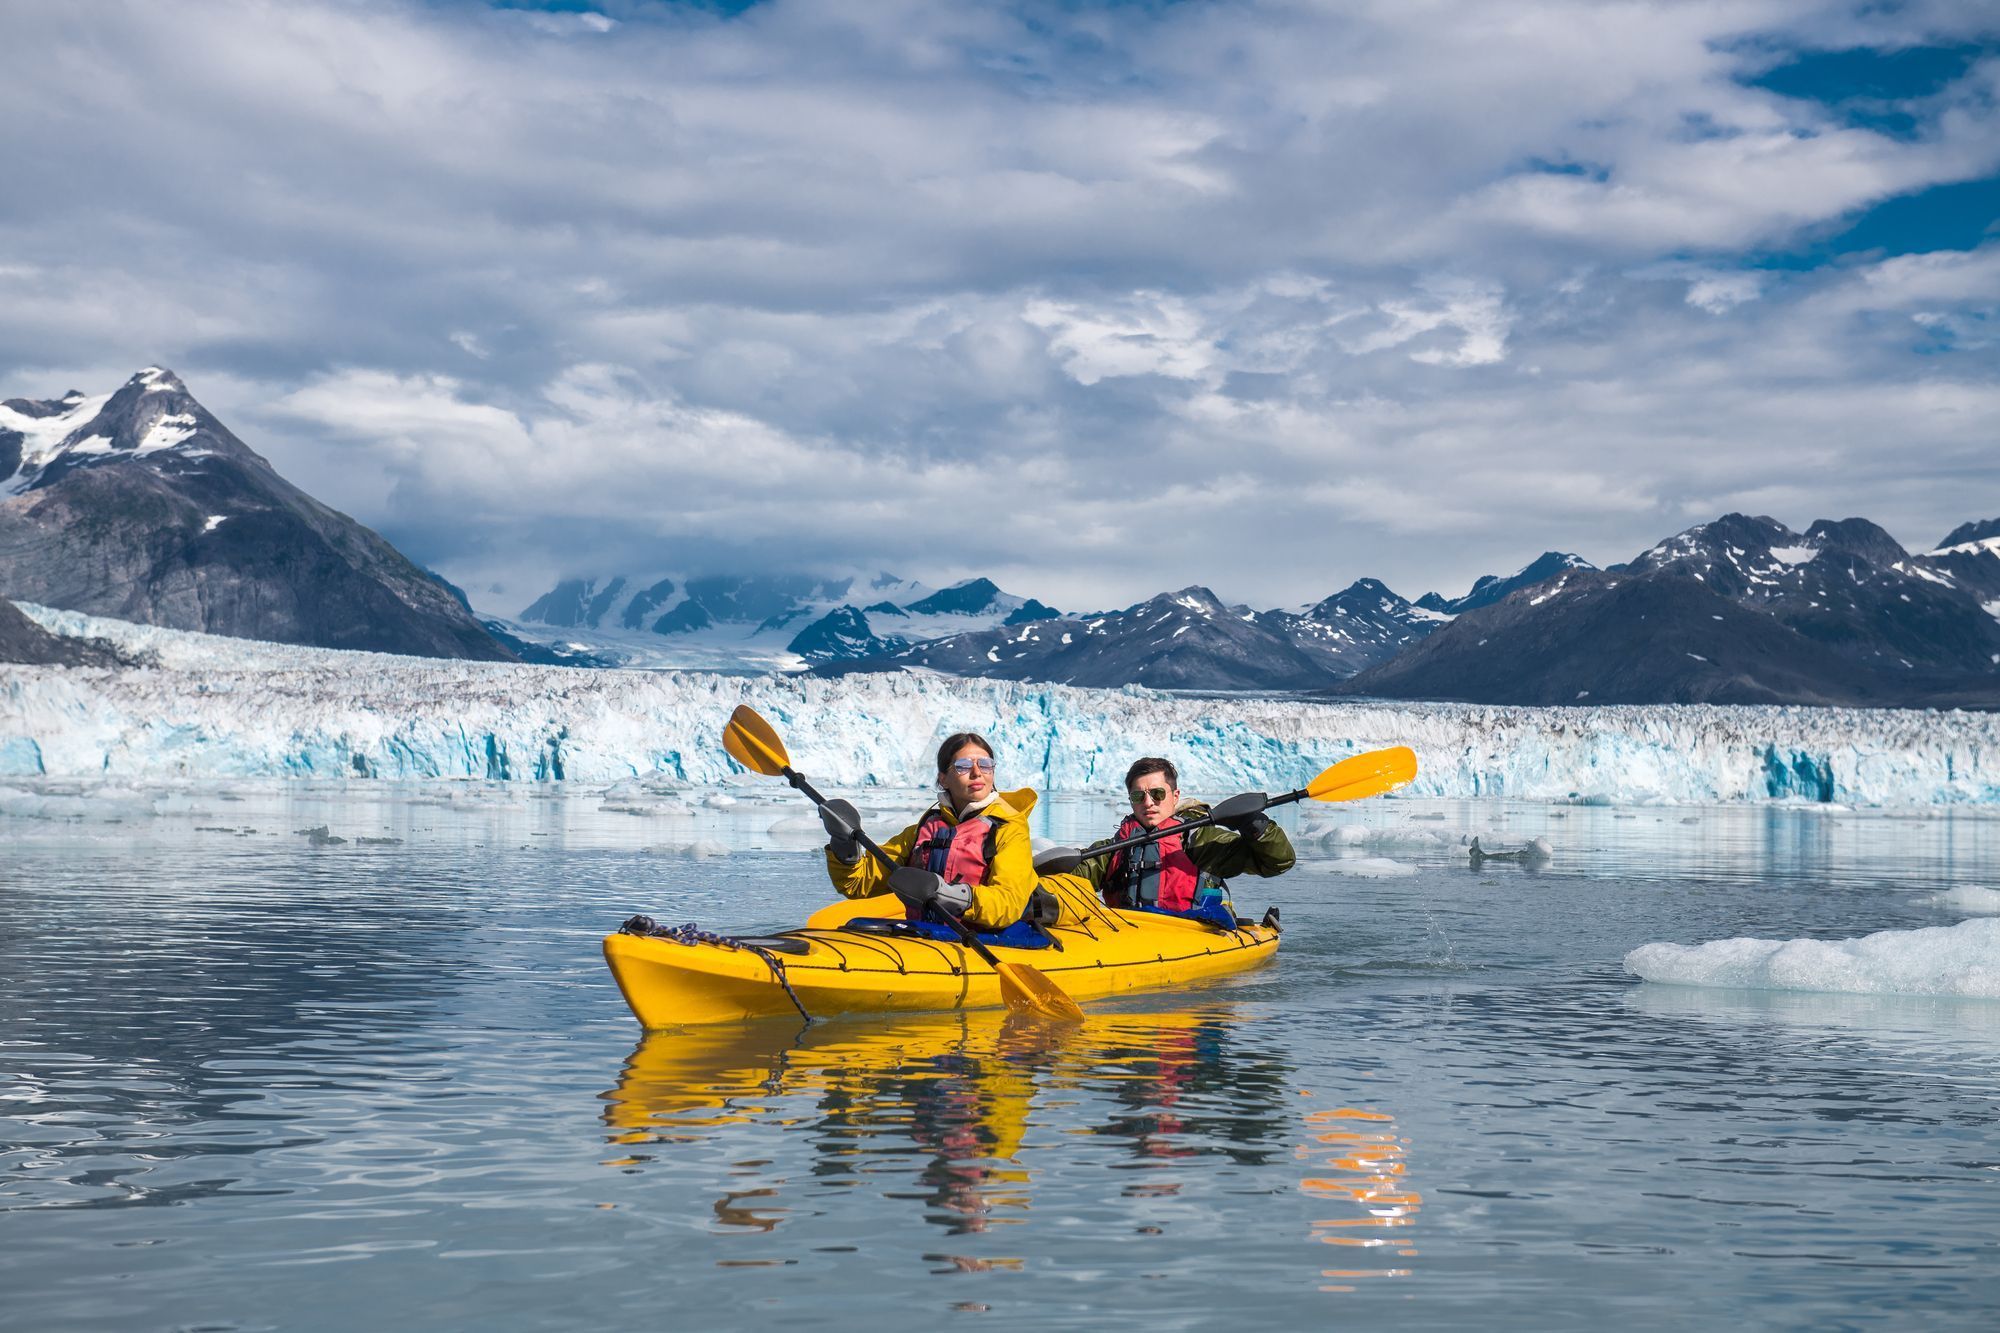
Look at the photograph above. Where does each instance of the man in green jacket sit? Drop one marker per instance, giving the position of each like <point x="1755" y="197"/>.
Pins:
<point x="1178" y="872"/>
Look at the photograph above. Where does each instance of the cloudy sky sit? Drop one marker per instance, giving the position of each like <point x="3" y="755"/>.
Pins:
<point x="1095" y="299"/>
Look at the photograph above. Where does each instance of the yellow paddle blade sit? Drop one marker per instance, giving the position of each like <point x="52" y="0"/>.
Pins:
<point x="1368" y="774"/>
<point x="753" y="743"/>
<point x="1027" y="991"/>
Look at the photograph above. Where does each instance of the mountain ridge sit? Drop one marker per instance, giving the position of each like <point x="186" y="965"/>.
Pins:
<point x="139" y="504"/>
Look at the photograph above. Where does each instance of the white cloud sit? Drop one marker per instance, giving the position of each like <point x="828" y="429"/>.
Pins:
<point x="1475" y="311"/>
<point x="1150" y="334"/>
<point x="1384" y="283"/>
<point x="1717" y="292"/>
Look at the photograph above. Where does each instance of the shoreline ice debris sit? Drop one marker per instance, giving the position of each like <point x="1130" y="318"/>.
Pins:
<point x="1960" y="960"/>
<point x="213" y="707"/>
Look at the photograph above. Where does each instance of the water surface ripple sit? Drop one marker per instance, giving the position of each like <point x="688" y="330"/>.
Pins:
<point x="253" y="1079"/>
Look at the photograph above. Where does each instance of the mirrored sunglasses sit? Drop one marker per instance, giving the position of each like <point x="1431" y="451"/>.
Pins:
<point x="965" y="766"/>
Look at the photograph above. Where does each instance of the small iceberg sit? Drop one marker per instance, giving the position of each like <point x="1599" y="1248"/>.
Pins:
<point x="1972" y="899"/>
<point x="1369" y="867"/>
<point x="1364" y="835"/>
<point x="1960" y="960"/>
<point x="1535" y="851"/>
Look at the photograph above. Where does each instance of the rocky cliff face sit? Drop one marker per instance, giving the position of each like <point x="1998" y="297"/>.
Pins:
<point x="139" y="504"/>
<point x="24" y="642"/>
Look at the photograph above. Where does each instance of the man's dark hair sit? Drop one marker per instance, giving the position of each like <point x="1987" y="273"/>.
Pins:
<point x="1145" y="766"/>
<point x="956" y="742"/>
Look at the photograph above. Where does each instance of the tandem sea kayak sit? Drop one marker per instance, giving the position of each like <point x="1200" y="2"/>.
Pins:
<point x="857" y="957"/>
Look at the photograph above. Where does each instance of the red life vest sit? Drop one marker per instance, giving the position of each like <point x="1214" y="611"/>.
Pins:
<point x="962" y="853"/>
<point x="1161" y="874"/>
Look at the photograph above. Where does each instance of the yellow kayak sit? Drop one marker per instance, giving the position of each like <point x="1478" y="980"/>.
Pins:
<point x="839" y="964"/>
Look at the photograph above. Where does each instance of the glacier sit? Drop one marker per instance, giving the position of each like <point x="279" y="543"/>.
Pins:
<point x="205" y="706"/>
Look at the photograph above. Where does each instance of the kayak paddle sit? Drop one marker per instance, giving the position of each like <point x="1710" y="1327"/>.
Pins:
<point x="1360" y="775"/>
<point x="755" y="744"/>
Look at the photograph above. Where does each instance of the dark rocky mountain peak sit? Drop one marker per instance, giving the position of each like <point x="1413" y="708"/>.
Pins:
<point x="961" y="599"/>
<point x="561" y="605"/>
<point x="1029" y="612"/>
<point x="151" y="415"/>
<point x="1739" y="610"/>
<point x="576" y="603"/>
<point x="1490" y="588"/>
<point x="1698" y="549"/>
<point x="1857" y="537"/>
<point x="841" y="634"/>
<point x="1362" y="624"/>
<point x="1980" y="530"/>
<point x="140" y="505"/>
<point x="1362" y="595"/>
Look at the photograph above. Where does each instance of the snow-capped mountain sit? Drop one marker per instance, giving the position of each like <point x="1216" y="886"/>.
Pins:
<point x="843" y="634"/>
<point x="1490" y="588"/>
<point x="767" y="622"/>
<point x="1186" y="640"/>
<point x="139" y="504"/>
<point x="1847" y="586"/>
<point x="1741" y="610"/>
<point x="1362" y="624"/>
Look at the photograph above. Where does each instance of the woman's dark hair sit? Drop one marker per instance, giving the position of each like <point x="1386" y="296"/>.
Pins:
<point x="1145" y="766"/>
<point x="956" y="742"/>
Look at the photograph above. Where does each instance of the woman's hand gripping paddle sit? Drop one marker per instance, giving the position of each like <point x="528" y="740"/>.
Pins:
<point x="755" y="744"/>
<point x="1368" y="774"/>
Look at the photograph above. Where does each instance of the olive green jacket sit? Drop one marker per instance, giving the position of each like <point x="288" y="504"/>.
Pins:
<point x="1215" y="850"/>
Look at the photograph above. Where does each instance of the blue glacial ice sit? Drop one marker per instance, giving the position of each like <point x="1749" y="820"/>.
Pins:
<point x="205" y="706"/>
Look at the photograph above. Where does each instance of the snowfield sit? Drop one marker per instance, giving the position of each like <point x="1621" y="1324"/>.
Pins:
<point x="209" y="706"/>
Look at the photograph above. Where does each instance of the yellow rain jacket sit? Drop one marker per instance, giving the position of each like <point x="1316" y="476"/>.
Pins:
<point x="998" y="902"/>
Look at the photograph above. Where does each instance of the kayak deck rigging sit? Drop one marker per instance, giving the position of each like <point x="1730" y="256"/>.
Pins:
<point x="687" y="976"/>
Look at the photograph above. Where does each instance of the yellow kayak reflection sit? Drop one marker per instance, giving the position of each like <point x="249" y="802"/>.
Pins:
<point x="973" y="1093"/>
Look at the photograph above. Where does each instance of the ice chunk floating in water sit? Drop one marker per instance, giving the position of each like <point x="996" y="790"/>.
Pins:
<point x="1972" y="898"/>
<point x="1960" y="960"/>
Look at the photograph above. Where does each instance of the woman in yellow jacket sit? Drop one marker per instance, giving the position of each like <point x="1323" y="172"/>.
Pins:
<point x="975" y="838"/>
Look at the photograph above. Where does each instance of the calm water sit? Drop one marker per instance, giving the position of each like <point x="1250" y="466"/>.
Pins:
<point x="253" y="1081"/>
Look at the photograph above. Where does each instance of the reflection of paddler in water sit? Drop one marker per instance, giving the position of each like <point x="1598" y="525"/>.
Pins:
<point x="1190" y="1090"/>
<point x="959" y="1086"/>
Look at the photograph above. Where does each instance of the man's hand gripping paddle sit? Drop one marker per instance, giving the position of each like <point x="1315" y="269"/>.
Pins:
<point x="1351" y="779"/>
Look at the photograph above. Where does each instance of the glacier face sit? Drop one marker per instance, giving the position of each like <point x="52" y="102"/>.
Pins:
<point x="219" y="707"/>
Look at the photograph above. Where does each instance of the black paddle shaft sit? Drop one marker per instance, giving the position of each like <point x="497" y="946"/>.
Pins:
<point x="965" y="934"/>
<point x="1154" y="835"/>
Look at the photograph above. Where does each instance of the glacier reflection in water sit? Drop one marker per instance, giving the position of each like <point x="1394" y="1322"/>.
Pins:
<point x="254" y="1077"/>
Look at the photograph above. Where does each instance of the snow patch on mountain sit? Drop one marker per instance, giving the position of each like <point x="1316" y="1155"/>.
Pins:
<point x="43" y="436"/>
